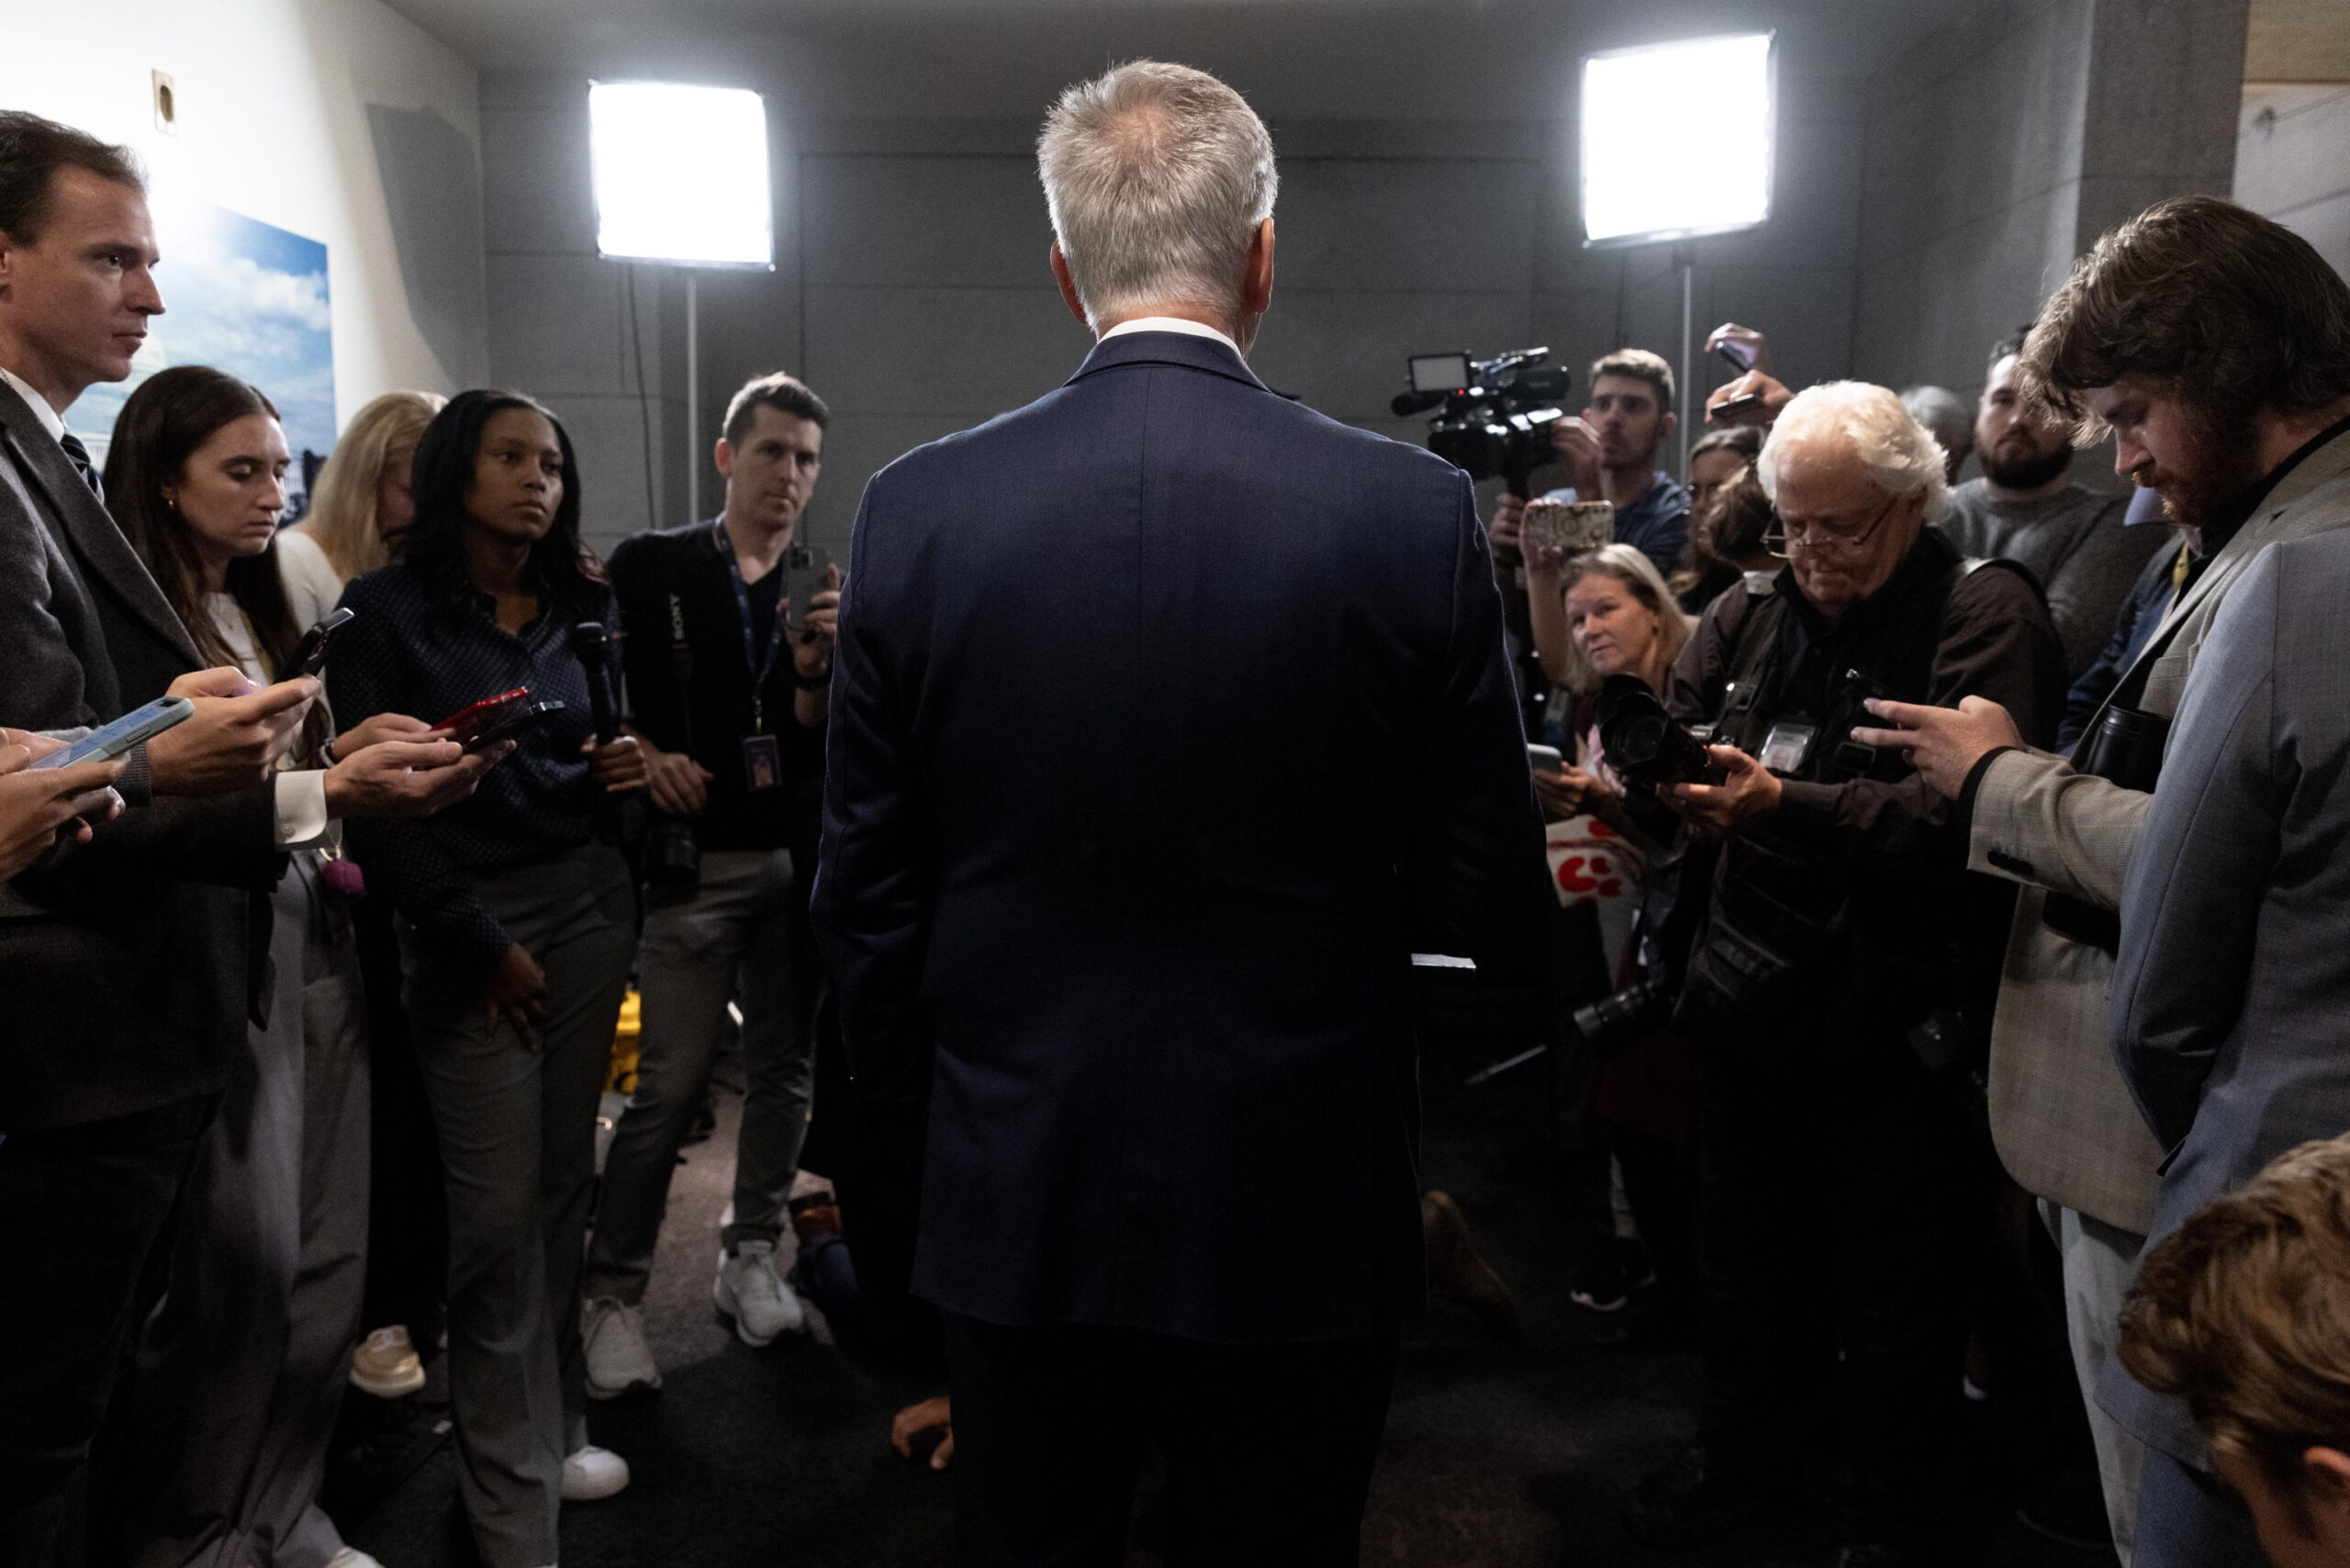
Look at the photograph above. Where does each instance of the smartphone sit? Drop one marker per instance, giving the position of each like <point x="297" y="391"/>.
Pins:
<point x="1740" y="355"/>
<point x="1570" y="528"/>
<point x="110" y="741"/>
<point x="807" y="564"/>
<point x="310" y="653"/>
<point x="511" y="720"/>
<point x="464" y="725"/>
<point x="1730" y="408"/>
<point x="1546" y="758"/>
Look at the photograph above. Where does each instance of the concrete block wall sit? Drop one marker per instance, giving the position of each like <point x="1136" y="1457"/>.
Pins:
<point x="911" y="288"/>
<point x="2293" y="162"/>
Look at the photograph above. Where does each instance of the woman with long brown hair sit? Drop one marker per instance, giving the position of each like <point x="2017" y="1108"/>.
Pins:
<point x="240" y="1370"/>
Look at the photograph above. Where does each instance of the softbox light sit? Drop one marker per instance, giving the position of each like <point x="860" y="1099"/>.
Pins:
<point x="1652" y="170"/>
<point x="680" y="174"/>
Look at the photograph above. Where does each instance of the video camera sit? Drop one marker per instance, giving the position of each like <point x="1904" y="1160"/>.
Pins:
<point x="1493" y="416"/>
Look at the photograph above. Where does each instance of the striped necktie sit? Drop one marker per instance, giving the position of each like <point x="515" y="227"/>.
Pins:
<point x="79" y="456"/>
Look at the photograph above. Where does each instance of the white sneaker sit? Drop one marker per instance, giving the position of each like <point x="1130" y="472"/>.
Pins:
<point x="592" y="1474"/>
<point x="612" y="1335"/>
<point x="749" y="1291"/>
<point x="352" y="1557"/>
<point x="386" y="1365"/>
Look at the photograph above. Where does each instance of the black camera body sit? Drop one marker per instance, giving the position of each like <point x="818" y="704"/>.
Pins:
<point x="672" y="858"/>
<point x="1493" y="416"/>
<point x="1643" y="741"/>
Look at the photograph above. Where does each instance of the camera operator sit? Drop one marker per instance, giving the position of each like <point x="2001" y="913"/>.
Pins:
<point x="1609" y="454"/>
<point x="1827" y="982"/>
<point x="727" y="678"/>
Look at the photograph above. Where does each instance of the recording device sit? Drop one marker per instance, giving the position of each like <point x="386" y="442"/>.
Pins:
<point x="1739" y="355"/>
<point x="1643" y="741"/>
<point x="2126" y="747"/>
<point x="1569" y="527"/>
<point x="593" y="650"/>
<point x="509" y="719"/>
<point x="807" y="566"/>
<point x="110" y="741"/>
<point x="1614" y="1023"/>
<point x="1545" y="758"/>
<point x="1493" y="416"/>
<point x="466" y="723"/>
<point x="1730" y="408"/>
<point x="310" y="653"/>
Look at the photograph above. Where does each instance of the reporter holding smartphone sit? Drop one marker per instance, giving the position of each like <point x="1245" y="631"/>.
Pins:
<point x="727" y="681"/>
<point x="240" y="1368"/>
<point x="37" y="808"/>
<point x="517" y="924"/>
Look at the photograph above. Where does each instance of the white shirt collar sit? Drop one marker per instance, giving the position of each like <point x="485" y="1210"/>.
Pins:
<point x="1170" y="324"/>
<point x="47" y="416"/>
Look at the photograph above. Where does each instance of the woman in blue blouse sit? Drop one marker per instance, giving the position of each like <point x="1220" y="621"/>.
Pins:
<point x="517" y="922"/>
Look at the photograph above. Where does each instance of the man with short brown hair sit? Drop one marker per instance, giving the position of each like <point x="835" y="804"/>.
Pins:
<point x="1609" y="454"/>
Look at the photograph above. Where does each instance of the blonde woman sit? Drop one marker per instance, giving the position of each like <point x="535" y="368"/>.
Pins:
<point x="1615" y="616"/>
<point x="362" y="508"/>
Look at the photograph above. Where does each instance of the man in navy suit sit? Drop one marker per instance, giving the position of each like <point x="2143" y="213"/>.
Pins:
<point x="1169" y="719"/>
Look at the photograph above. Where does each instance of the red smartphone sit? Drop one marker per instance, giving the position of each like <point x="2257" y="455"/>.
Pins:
<point x="509" y="719"/>
<point x="466" y="724"/>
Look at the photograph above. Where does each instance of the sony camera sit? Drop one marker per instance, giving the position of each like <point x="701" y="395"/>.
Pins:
<point x="1493" y="416"/>
<point x="672" y="859"/>
<point x="1643" y="741"/>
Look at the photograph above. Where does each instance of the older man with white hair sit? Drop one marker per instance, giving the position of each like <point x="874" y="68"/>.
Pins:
<point x="1169" y="719"/>
<point x="1837" y="984"/>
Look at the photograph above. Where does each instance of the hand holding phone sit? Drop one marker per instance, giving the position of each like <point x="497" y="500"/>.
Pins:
<point x="468" y="722"/>
<point x="310" y="654"/>
<point x="1563" y="527"/>
<point x="110" y="741"/>
<point x="509" y="719"/>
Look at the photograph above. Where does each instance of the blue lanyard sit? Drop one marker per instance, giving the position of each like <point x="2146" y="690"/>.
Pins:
<point x="761" y="664"/>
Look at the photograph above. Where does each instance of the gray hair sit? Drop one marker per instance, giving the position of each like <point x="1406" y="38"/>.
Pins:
<point x="1156" y="177"/>
<point x="1869" y="422"/>
<point x="1945" y="416"/>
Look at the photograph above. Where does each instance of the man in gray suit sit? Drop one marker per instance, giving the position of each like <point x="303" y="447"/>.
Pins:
<point x="2231" y="992"/>
<point x="2215" y="346"/>
<point x="126" y="965"/>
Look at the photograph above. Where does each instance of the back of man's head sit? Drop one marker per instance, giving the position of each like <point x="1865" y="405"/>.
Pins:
<point x="1944" y="415"/>
<point x="1638" y="365"/>
<point x="1155" y="176"/>
<point x="2234" y="312"/>
<point x="2245" y="1313"/>
<point x="33" y="151"/>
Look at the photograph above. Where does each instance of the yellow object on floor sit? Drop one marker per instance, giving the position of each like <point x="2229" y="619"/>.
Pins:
<point x="622" y="1078"/>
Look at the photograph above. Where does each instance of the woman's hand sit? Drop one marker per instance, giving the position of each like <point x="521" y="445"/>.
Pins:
<point x="517" y="993"/>
<point x="916" y="1419"/>
<point x="382" y="727"/>
<point x="1569" y="791"/>
<point x="618" y="765"/>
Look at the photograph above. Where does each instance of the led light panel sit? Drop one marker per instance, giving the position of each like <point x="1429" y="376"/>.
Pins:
<point x="1653" y="169"/>
<point x="681" y="174"/>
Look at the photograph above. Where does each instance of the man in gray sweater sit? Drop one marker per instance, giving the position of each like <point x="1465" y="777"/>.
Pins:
<point x="2028" y="508"/>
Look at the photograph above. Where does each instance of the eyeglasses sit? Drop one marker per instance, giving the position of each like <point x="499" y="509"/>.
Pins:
<point x="1779" y="536"/>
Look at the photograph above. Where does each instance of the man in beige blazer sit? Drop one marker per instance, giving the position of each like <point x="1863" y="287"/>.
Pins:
<point x="2214" y="345"/>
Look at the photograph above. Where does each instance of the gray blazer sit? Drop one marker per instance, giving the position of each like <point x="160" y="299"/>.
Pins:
<point x="2231" y="992"/>
<point x="2065" y="1125"/>
<point x="126" y="967"/>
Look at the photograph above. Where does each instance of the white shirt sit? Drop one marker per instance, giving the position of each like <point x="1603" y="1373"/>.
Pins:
<point x="1170" y="324"/>
<point x="299" y="799"/>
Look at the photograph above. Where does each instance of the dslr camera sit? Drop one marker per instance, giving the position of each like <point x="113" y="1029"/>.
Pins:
<point x="1493" y="416"/>
<point x="1643" y="741"/>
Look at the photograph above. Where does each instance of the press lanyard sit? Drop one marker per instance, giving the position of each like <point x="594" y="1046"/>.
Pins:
<point x="761" y="664"/>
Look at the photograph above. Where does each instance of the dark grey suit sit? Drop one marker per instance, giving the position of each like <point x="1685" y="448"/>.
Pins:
<point x="126" y="978"/>
<point x="2232" y="990"/>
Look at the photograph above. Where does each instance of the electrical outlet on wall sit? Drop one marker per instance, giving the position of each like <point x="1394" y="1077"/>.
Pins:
<point x="167" y="104"/>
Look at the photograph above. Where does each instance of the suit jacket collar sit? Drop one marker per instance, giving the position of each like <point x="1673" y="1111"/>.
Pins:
<point x="108" y="564"/>
<point x="1182" y="349"/>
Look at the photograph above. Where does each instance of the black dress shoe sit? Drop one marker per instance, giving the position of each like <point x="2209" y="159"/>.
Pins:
<point x="1694" y="1500"/>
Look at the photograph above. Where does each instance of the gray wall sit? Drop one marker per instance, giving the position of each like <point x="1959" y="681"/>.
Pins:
<point x="2293" y="162"/>
<point x="911" y="288"/>
<point x="2001" y="149"/>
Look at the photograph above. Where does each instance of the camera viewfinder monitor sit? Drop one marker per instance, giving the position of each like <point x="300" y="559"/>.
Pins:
<point x="1439" y="372"/>
<point x="1652" y="170"/>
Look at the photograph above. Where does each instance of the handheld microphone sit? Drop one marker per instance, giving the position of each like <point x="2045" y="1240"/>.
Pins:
<point x="589" y="642"/>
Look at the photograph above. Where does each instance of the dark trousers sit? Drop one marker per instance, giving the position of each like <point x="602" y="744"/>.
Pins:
<point x="407" y="1212"/>
<point x="1268" y="1447"/>
<point x="83" y="1206"/>
<point x="1834" y="1238"/>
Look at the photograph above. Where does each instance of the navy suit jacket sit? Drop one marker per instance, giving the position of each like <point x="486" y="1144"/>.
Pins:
<point x="1169" y="719"/>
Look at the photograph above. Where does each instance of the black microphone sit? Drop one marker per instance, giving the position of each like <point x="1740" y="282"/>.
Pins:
<point x="588" y="641"/>
<point x="1406" y="403"/>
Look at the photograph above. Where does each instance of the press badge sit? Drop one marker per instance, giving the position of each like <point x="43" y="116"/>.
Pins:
<point x="762" y="762"/>
<point x="1787" y="746"/>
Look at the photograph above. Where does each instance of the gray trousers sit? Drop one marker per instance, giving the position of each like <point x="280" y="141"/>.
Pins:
<point x="242" y="1367"/>
<point x="517" y="1121"/>
<point x="2099" y="1262"/>
<point x="745" y="934"/>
